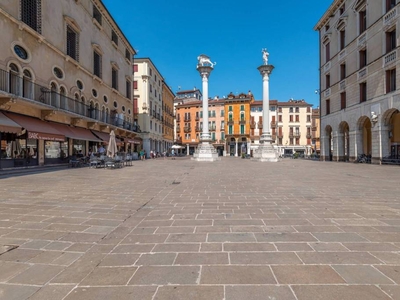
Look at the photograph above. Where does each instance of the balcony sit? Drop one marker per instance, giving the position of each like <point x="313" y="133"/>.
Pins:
<point x="314" y="128"/>
<point x="390" y="58"/>
<point x="43" y="96"/>
<point x="231" y="122"/>
<point x="242" y="121"/>
<point x="273" y="137"/>
<point x="252" y="125"/>
<point x="362" y="40"/>
<point x="273" y="124"/>
<point x="280" y="135"/>
<point x="308" y="136"/>
<point x="198" y="129"/>
<point x="212" y="128"/>
<point x="187" y="129"/>
<point x="178" y="141"/>
<point x="197" y="118"/>
<point x="390" y="17"/>
<point x="260" y="125"/>
<point x="178" y="130"/>
<point x="362" y="73"/>
<point x="296" y="134"/>
<point x="187" y="119"/>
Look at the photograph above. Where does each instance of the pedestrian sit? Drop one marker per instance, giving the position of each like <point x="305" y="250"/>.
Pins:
<point x="145" y="155"/>
<point x="141" y="153"/>
<point x="151" y="153"/>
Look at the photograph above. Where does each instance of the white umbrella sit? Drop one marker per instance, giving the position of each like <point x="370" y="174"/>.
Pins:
<point x="112" y="145"/>
<point x="177" y="147"/>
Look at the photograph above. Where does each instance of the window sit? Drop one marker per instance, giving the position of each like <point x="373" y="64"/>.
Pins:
<point x="31" y="14"/>
<point x="128" y="89"/>
<point x="328" y="81"/>
<point x="291" y="109"/>
<point x="342" y="39"/>
<point x="342" y="71"/>
<point x="297" y="118"/>
<point x="390" y="4"/>
<point x="114" y="37"/>
<point x="390" y="40"/>
<point x="222" y="135"/>
<point x="363" y="92"/>
<point x="222" y="113"/>
<point x="308" y="109"/>
<point x="297" y="109"/>
<point x="308" y="118"/>
<point x="241" y="129"/>
<point x="230" y="129"/>
<point x="72" y="43"/>
<point x="343" y="100"/>
<point x="58" y="73"/>
<point x="97" y="64"/>
<point x="96" y="14"/>
<point x="280" y="118"/>
<point x="114" y="78"/>
<point x="241" y="107"/>
<point x="342" y="9"/>
<point x="363" y="58"/>
<point x="21" y="52"/>
<point x="291" y="118"/>
<point x="135" y="86"/>
<point x="362" y="17"/>
<point x="390" y="81"/>
<point x="327" y="52"/>
<point x="135" y="68"/>
<point x="280" y="109"/>
<point x="328" y="106"/>
<point x="230" y="108"/>
<point x="127" y="55"/>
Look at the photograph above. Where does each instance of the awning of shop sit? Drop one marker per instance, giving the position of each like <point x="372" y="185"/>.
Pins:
<point x="105" y="137"/>
<point x="8" y="125"/>
<point x="76" y="133"/>
<point x="37" y="129"/>
<point x="132" y="141"/>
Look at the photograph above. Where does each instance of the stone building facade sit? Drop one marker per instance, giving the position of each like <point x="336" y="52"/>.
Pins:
<point x="168" y="116"/>
<point x="65" y="80"/>
<point x="359" y="99"/>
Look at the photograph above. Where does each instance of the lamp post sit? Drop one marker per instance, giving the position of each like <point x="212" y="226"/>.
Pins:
<point x="266" y="151"/>
<point x="205" y="151"/>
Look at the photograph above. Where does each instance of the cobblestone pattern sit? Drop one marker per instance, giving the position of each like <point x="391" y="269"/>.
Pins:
<point x="179" y="229"/>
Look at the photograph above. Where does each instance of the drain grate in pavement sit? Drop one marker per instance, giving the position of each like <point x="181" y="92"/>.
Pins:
<point x="175" y="182"/>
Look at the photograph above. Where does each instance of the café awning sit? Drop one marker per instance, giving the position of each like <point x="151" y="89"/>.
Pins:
<point x="133" y="141"/>
<point x="36" y="128"/>
<point x="8" y="125"/>
<point x="76" y="133"/>
<point x="105" y="137"/>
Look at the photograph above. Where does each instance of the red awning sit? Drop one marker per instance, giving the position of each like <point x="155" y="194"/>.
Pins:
<point x="133" y="141"/>
<point x="105" y="137"/>
<point x="37" y="129"/>
<point x="76" y="133"/>
<point x="8" y="125"/>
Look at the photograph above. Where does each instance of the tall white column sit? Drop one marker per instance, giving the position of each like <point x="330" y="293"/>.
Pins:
<point x="266" y="123"/>
<point x="205" y="151"/>
<point x="205" y="135"/>
<point x="266" y="151"/>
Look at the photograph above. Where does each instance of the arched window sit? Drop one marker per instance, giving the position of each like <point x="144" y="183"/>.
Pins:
<point x="54" y="97"/>
<point x="27" y="85"/>
<point x="14" y="80"/>
<point x="63" y="98"/>
<point x="97" y="111"/>
<point x="103" y="114"/>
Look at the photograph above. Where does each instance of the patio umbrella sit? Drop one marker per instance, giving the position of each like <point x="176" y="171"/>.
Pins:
<point x="177" y="147"/>
<point x="112" y="145"/>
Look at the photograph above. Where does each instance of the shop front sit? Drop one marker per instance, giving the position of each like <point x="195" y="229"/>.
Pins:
<point x="30" y="146"/>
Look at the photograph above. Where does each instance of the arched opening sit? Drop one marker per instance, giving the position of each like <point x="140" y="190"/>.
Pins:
<point x="63" y="98"/>
<point x="83" y="110"/>
<point x="365" y="128"/>
<point x="103" y="114"/>
<point x="97" y="111"/>
<point x="27" y="86"/>
<point x="392" y="120"/>
<point x="344" y="129"/>
<point x="13" y="82"/>
<point x="328" y="143"/>
<point x="54" y="100"/>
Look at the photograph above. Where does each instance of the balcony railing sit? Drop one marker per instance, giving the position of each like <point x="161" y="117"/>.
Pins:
<point x="260" y="125"/>
<point x="389" y="58"/>
<point x="187" y="129"/>
<point x="198" y="129"/>
<point x="252" y="125"/>
<point x="242" y="121"/>
<point x="308" y="136"/>
<point x="314" y="128"/>
<point x="197" y="118"/>
<point x="212" y="128"/>
<point x="230" y="122"/>
<point x="273" y="124"/>
<point x="296" y="134"/>
<point x="187" y="119"/>
<point x="390" y="17"/>
<point x="27" y="89"/>
<point x="280" y="135"/>
<point x="178" y="129"/>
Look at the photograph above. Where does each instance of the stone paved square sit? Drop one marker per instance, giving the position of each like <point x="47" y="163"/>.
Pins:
<point x="179" y="229"/>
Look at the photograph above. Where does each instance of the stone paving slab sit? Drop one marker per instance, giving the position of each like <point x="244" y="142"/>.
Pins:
<point x="178" y="229"/>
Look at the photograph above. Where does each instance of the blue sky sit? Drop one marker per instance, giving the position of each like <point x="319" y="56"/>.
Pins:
<point x="232" y="33"/>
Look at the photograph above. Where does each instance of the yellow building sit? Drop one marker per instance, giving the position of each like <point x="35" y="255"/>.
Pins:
<point x="237" y="120"/>
<point x="315" y="127"/>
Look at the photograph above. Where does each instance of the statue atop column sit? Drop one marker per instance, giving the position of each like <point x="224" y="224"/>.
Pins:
<point x="265" y="55"/>
<point x="205" y="61"/>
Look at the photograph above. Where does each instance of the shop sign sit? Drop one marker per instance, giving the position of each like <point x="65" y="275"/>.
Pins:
<point x="46" y="136"/>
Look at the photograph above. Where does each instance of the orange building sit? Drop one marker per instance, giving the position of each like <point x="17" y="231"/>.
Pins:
<point x="237" y="120"/>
